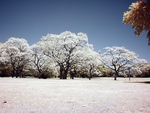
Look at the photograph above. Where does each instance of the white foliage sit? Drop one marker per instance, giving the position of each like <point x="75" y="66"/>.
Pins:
<point x="39" y="61"/>
<point x="62" y="45"/>
<point x="118" y="58"/>
<point x="89" y="59"/>
<point x="15" y="52"/>
<point x="19" y="43"/>
<point x="68" y="49"/>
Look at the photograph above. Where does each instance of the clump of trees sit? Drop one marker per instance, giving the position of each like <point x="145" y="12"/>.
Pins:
<point x="66" y="54"/>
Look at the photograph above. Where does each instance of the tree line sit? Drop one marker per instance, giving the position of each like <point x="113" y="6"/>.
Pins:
<point x="67" y="55"/>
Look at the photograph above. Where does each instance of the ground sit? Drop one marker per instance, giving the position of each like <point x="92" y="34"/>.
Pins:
<point x="98" y="95"/>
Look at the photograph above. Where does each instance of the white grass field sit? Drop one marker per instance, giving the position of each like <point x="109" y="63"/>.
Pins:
<point x="98" y="95"/>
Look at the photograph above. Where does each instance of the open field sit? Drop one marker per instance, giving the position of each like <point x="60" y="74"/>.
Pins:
<point x="99" y="95"/>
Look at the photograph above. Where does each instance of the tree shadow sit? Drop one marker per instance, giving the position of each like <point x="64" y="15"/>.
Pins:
<point x="145" y="82"/>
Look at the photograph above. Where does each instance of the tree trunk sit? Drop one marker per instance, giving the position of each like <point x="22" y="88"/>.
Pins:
<point x="17" y="74"/>
<point x="116" y="75"/>
<point x="61" y="76"/>
<point x="71" y="75"/>
<point x="61" y="72"/>
<point x="13" y="72"/>
<point x="90" y="72"/>
<point x="89" y="78"/>
<point x="129" y="77"/>
<point x="65" y="74"/>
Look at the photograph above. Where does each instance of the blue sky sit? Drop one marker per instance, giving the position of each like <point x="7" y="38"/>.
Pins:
<point x="101" y="20"/>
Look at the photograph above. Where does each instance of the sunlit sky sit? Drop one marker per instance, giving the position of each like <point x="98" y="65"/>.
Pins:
<point x="101" y="20"/>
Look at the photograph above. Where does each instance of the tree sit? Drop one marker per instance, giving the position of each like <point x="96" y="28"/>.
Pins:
<point x="61" y="49"/>
<point x="89" y="60"/>
<point x="4" y="68"/>
<point x="139" y="17"/>
<point x="16" y="53"/>
<point x="40" y="62"/>
<point x="145" y="69"/>
<point x="118" y="58"/>
<point x="132" y="71"/>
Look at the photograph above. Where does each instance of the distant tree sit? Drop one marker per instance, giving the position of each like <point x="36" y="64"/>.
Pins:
<point x="148" y="70"/>
<point x="139" y="17"/>
<point x="119" y="58"/>
<point x="145" y="69"/>
<point x="15" y="53"/>
<point x="132" y="71"/>
<point x="61" y="49"/>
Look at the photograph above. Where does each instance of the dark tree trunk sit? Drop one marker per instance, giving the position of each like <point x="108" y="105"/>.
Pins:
<point x="90" y="72"/>
<point x="16" y="74"/>
<point x="72" y="74"/>
<point x="61" y="72"/>
<point x="64" y="71"/>
<point x="89" y="78"/>
<point x="129" y="77"/>
<point x="63" y="75"/>
<point x="116" y="75"/>
<point x="13" y="72"/>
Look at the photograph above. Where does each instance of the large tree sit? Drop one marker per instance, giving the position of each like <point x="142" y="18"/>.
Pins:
<point x="139" y="17"/>
<point x="16" y="53"/>
<point x="118" y="58"/>
<point x="61" y="49"/>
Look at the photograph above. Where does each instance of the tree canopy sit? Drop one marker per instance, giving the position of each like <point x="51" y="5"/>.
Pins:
<point x="16" y="53"/>
<point x="139" y="17"/>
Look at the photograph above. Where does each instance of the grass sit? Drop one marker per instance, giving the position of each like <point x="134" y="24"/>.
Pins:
<point x="98" y="95"/>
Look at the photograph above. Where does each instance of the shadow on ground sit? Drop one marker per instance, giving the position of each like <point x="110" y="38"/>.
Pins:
<point x="145" y="82"/>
